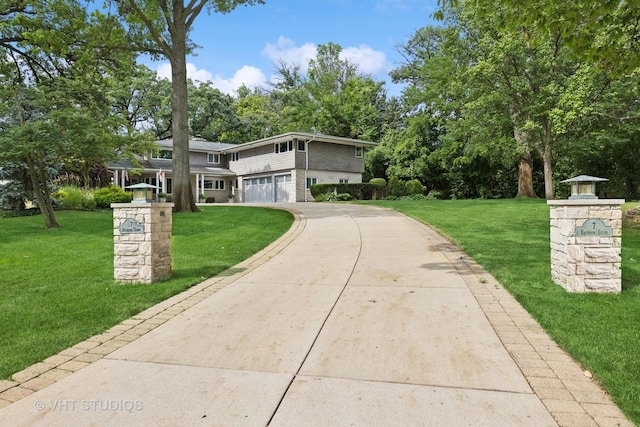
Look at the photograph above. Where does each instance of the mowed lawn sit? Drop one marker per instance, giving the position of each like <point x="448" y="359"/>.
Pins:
<point x="510" y="238"/>
<point x="57" y="287"/>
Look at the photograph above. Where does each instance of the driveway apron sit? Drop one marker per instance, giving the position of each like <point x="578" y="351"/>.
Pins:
<point x="363" y="319"/>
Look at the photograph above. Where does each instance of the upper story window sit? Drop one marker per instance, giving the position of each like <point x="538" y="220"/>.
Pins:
<point x="213" y="158"/>
<point x="235" y="157"/>
<point x="344" y="181"/>
<point x="162" y="154"/>
<point x="283" y="147"/>
<point x="302" y="145"/>
<point x="359" y="152"/>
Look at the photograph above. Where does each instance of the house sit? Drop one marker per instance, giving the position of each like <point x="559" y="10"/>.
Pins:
<point x="276" y="169"/>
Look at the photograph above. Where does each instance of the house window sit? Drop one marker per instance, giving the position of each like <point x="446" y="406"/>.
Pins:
<point x="302" y="145"/>
<point x="344" y="181"/>
<point x="214" y="158"/>
<point x="235" y="157"/>
<point x="359" y="152"/>
<point x="219" y="185"/>
<point x="208" y="184"/>
<point x="311" y="181"/>
<point x="163" y="154"/>
<point x="283" y="147"/>
<point x="236" y="184"/>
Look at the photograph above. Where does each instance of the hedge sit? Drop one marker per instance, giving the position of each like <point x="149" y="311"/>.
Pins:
<point x="359" y="191"/>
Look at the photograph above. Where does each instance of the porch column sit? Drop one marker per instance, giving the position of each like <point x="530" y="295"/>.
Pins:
<point x="115" y="177"/>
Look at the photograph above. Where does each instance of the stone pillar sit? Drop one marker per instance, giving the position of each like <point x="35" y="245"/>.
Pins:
<point x="142" y="241"/>
<point x="586" y="238"/>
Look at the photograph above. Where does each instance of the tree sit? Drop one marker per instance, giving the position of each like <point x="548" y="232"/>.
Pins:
<point x="56" y="65"/>
<point x="211" y="113"/>
<point x="605" y="32"/>
<point x="162" y="28"/>
<point x="491" y="81"/>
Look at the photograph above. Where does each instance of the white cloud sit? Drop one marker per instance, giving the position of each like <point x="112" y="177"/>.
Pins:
<point x="247" y="75"/>
<point x="286" y="51"/>
<point x="369" y="61"/>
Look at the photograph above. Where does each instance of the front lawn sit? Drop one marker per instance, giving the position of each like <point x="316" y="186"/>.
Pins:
<point x="510" y="239"/>
<point x="57" y="287"/>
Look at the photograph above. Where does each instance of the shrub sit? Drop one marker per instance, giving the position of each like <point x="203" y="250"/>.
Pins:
<point x="414" y="187"/>
<point x="397" y="188"/>
<point x="322" y="197"/>
<point x="378" y="182"/>
<point x="72" y="197"/>
<point x="434" y="195"/>
<point x="341" y="197"/>
<point x="358" y="191"/>
<point x="112" y="194"/>
<point x="210" y="199"/>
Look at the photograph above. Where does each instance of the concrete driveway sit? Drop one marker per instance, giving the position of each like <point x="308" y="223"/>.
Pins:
<point x="358" y="316"/>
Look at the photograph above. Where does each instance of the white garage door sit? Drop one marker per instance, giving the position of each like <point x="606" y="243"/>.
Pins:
<point x="258" y="190"/>
<point x="283" y="188"/>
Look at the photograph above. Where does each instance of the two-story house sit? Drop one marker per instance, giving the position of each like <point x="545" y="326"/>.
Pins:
<point x="275" y="169"/>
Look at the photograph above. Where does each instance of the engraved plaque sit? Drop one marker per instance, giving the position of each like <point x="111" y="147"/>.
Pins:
<point x="594" y="228"/>
<point x="131" y="226"/>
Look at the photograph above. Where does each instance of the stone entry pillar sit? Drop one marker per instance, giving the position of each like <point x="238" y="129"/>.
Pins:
<point x="142" y="241"/>
<point x="586" y="238"/>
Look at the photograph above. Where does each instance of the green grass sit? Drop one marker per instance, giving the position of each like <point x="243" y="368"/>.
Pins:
<point x="510" y="239"/>
<point x="57" y="287"/>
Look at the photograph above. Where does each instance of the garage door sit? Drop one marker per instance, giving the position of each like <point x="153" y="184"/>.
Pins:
<point x="258" y="190"/>
<point x="283" y="188"/>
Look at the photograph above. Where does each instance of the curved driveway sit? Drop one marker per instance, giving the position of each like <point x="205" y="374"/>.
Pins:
<point x="358" y="316"/>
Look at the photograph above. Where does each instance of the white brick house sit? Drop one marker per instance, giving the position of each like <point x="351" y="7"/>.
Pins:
<point x="275" y="169"/>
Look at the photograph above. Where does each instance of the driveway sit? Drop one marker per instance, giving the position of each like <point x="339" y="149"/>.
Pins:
<point x="359" y="316"/>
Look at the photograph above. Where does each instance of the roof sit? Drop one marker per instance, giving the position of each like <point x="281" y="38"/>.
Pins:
<point x="585" y="178"/>
<point x="300" y="135"/>
<point x="197" y="145"/>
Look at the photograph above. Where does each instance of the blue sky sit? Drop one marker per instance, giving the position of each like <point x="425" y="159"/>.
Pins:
<point x="245" y="45"/>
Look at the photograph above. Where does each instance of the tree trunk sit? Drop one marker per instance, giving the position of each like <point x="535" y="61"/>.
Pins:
<point x="182" y="194"/>
<point x="525" y="167"/>
<point x="39" y="182"/>
<point x="548" y="172"/>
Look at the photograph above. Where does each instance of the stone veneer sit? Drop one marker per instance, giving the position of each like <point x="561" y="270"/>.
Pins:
<point x="586" y="264"/>
<point x="143" y="257"/>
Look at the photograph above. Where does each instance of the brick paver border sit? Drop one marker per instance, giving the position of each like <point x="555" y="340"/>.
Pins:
<point x="70" y="360"/>
<point x="569" y="393"/>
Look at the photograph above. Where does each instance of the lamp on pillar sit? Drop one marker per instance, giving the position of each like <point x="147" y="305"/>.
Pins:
<point x="584" y="186"/>
<point x="142" y="193"/>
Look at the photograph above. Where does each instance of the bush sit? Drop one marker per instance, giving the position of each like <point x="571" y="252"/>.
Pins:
<point x="210" y="199"/>
<point x="112" y="194"/>
<point x="72" y="197"/>
<point x="415" y="187"/>
<point x="378" y="182"/>
<point x="397" y="188"/>
<point x="358" y="191"/>
<point x="341" y="197"/>
<point x="322" y="197"/>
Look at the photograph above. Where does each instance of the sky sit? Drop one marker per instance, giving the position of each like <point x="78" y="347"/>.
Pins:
<point x="246" y="45"/>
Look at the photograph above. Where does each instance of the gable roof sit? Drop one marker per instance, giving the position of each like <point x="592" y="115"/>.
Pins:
<point x="197" y="145"/>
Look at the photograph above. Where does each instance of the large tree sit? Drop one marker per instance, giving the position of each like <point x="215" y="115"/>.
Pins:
<point x="57" y="64"/>
<point x="162" y="28"/>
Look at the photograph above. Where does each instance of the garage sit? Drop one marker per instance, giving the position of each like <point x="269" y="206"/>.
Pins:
<point x="267" y="189"/>
<point x="283" y="188"/>
<point x="258" y="190"/>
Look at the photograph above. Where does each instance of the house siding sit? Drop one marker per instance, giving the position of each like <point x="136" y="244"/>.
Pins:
<point x="262" y="160"/>
<point x="335" y="157"/>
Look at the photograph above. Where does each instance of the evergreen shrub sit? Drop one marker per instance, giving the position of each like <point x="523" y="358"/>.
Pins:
<point x="111" y="194"/>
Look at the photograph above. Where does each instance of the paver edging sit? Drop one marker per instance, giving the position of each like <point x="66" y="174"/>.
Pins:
<point x="577" y="409"/>
<point x="94" y="348"/>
